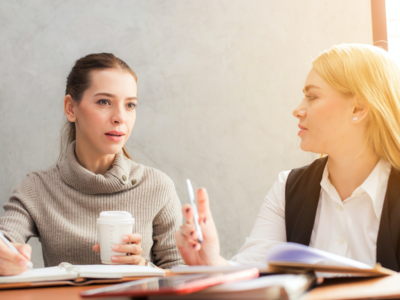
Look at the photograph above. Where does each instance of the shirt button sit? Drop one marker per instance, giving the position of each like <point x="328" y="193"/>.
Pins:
<point x="340" y="208"/>
<point x="134" y="181"/>
<point x="123" y="177"/>
<point x="341" y="240"/>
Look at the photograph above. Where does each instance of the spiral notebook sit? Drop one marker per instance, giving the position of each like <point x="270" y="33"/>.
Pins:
<point x="68" y="274"/>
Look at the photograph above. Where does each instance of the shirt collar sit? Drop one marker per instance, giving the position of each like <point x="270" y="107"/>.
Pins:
<point x="123" y="174"/>
<point x="375" y="185"/>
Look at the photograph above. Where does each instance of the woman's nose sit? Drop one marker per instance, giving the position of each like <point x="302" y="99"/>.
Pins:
<point x="299" y="112"/>
<point x="118" y="116"/>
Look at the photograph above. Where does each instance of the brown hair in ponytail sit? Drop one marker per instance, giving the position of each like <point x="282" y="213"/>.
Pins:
<point x="78" y="81"/>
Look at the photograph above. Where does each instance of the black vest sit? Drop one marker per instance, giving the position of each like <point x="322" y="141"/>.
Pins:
<point x="302" y="196"/>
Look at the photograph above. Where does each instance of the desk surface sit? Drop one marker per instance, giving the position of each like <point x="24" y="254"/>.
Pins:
<point x="50" y="293"/>
<point x="334" y="289"/>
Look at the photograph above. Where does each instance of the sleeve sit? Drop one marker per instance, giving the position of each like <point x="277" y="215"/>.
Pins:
<point x="166" y="223"/>
<point x="269" y="228"/>
<point x="17" y="224"/>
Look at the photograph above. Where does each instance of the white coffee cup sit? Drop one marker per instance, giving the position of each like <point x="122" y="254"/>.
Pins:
<point x="112" y="226"/>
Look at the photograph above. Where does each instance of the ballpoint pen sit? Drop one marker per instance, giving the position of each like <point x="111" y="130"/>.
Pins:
<point x="195" y="213"/>
<point x="6" y="241"/>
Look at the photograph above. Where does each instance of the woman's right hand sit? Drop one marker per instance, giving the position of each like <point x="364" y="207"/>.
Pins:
<point x="12" y="263"/>
<point x="192" y="252"/>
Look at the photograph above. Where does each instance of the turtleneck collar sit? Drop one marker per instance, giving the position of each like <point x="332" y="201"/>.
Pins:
<point x="124" y="174"/>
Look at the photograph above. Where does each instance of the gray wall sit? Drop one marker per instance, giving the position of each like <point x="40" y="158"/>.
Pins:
<point x="218" y="81"/>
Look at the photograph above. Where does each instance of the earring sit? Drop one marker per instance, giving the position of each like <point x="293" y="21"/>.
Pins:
<point x="355" y="119"/>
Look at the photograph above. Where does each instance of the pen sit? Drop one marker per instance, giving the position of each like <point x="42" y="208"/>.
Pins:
<point x="195" y="214"/>
<point x="6" y="241"/>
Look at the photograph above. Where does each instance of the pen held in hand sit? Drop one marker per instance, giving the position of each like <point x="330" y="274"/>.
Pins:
<point x="195" y="213"/>
<point x="7" y="242"/>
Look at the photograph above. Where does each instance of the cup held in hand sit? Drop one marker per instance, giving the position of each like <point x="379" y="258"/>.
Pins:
<point x="112" y="226"/>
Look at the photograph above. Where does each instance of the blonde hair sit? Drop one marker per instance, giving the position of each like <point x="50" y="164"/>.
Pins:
<point x="370" y="74"/>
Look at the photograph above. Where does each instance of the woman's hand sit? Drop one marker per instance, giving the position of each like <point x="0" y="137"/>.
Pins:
<point x="12" y="263"/>
<point x="133" y="249"/>
<point x="192" y="252"/>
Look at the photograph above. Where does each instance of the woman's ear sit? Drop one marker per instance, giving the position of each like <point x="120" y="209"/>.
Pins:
<point x="360" y="111"/>
<point x="69" y="108"/>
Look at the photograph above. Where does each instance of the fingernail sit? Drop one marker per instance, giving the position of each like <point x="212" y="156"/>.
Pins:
<point x="187" y="210"/>
<point x="22" y="263"/>
<point x="125" y="238"/>
<point x="114" y="248"/>
<point x="114" y="258"/>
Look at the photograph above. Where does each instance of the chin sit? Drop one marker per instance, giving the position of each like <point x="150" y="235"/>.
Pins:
<point x="306" y="146"/>
<point x="111" y="149"/>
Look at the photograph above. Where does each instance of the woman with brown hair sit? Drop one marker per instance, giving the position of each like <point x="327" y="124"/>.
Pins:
<point x="94" y="174"/>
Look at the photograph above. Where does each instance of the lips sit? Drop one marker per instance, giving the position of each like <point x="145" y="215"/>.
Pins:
<point x="115" y="133"/>
<point x="302" y="130"/>
<point x="115" y="136"/>
<point x="302" y="127"/>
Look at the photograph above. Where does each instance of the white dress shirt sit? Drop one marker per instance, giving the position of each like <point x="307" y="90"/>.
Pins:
<point x="348" y="228"/>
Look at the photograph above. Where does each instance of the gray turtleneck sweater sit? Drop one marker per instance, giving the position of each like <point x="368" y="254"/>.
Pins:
<point x="60" y="207"/>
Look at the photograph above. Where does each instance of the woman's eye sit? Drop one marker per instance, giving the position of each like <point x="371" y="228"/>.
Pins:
<point x="310" y="97"/>
<point x="131" y="105"/>
<point x="103" y="102"/>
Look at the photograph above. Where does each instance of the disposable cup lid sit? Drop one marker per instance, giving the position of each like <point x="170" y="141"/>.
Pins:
<point x="115" y="216"/>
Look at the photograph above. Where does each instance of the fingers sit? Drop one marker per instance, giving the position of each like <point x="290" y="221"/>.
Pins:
<point x="203" y="203"/>
<point x="129" y="259"/>
<point x="135" y="238"/>
<point x="96" y="248"/>
<point x="24" y="249"/>
<point x="129" y="248"/>
<point x="12" y="263"/>
<point x="187" y="213"/>
<point x="189" y="232"/>
<point x="184" y="244"/>
<point x="9" y="268"/>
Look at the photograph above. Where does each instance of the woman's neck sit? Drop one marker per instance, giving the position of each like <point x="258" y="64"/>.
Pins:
<point x="91" y="159"/>
<point x="348" y="171"/>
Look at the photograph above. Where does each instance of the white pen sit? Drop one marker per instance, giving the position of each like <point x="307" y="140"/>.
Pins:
<point x="7" y="242"/>
<point x="195" y="214"/>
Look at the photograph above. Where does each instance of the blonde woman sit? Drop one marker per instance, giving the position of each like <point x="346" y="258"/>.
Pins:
<point x="348" y="202"/>
<point x="60" y="205"/>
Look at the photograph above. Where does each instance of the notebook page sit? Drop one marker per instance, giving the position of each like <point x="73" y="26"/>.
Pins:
<point x="117" y="271"/>
<point x="40" y="274"/>
<point x="292" y="252"/>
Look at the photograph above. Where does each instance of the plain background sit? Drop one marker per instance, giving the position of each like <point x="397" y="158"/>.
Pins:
<point x="218" y="81"/>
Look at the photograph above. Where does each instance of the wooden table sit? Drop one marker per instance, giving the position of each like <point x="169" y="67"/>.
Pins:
<point x="333" y="289"/>
<point x="50" y="293"/>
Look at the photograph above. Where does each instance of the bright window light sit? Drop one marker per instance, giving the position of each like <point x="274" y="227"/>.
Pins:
<point x="393" y="28"/>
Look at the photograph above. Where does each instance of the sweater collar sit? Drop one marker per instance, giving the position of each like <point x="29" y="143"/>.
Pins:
<point x="124" y="174"/>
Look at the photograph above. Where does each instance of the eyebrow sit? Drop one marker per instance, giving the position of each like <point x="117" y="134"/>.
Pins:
<point x="113" y="96"/>
<point x="309" y="87"/>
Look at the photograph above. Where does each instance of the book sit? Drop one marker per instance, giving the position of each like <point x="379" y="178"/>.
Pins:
<point x="68" y="274"/>
<point x="285" y="286"/>
<point x="296" y="258"/>
<point x="171" y="285"/>
<point x="357" y="288"/>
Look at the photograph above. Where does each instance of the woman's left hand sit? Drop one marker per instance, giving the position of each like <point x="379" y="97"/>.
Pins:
<point x="133" y="249"/>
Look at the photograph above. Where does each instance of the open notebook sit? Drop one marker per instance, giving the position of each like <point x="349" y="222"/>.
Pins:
<point x="296" y="258"/>
<point x="67" y="274"/>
